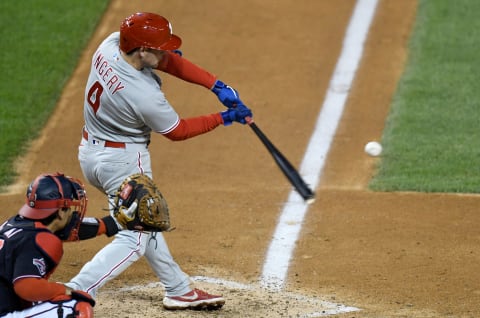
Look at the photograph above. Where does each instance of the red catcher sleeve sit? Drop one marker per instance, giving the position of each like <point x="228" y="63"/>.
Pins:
<point x="38" y="289"/>
<point x="191" y="127"/>
<point x="51" y="245"/>
<point x="182" y="68"/>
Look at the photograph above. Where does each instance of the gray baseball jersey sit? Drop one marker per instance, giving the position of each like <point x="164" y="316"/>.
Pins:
<point x="122" y="103"/>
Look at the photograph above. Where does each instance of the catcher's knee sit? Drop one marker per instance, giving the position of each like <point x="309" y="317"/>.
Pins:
<point x="83" y="310"/>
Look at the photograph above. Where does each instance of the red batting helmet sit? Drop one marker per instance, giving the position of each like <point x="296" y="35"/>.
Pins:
<point x="148" y="30"/>
<point x="51" y="192"/>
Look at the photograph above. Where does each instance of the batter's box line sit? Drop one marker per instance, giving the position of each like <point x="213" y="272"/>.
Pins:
<point x="328" y="308"/>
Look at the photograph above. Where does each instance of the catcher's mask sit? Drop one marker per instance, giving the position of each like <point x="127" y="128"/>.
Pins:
<point x="50" y="192"/>
<point x="149" y="30"/>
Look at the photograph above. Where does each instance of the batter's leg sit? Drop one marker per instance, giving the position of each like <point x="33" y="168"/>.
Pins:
<point x="175" y="281"/>
<point x="110" y="261"/>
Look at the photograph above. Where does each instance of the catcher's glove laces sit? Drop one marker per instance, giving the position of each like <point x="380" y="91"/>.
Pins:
<point x="153" y="237"/>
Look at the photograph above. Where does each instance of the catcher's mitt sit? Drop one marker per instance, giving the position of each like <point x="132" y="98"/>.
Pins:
<point x="140" y="206"/>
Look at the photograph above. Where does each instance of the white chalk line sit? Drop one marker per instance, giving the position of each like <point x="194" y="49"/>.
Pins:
<point x="325" y="308"/>
<point x="328" y="308"/>
<point x="290" y="222"/>
<point x="291" y="219"/>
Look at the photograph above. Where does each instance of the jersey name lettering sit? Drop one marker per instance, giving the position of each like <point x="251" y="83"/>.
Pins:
<point x="11" y="232"/>
<point x="107" y="75"/>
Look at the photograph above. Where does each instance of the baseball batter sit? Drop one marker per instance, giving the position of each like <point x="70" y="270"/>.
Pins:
<point x="31" y="249"/>
<point x="123" y="105"/>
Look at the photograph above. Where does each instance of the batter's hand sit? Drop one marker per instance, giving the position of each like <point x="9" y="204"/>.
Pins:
<point x="226" y="94"/>
<point x="238" y="114"/>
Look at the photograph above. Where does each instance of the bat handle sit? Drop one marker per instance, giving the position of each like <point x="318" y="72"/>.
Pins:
<point x="249" y="120"/>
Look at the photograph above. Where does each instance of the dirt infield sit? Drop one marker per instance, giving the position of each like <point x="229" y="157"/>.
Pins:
<point x="387" y="254"/>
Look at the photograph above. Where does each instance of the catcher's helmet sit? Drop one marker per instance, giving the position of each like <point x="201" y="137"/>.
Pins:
<point x="51" y="192"/>
<point x="148" y="30"/>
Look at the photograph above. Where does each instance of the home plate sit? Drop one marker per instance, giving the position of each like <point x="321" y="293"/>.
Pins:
<point x="242" y="300"/>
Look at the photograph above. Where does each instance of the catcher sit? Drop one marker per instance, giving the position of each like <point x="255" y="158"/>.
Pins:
<point x="31" y="249"/>
<point x="31" y="242"/>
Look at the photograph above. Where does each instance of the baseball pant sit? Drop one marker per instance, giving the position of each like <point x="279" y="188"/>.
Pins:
<point x="106" y="168"/>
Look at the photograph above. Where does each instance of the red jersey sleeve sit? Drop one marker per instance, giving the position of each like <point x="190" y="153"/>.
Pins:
<point x="51" y="245"/>
<point x="191" y="127"/>
<point x="182" y="68"/>
<point x="38" y="289"/>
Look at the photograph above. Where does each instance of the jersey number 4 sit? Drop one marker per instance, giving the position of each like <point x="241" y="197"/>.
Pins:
<point x="93" y="96"/>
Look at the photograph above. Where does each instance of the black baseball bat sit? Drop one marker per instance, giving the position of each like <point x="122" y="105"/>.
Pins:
<point x="287" y="168"/>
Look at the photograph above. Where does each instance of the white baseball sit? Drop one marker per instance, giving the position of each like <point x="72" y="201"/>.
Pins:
<point x="373" y="148"/>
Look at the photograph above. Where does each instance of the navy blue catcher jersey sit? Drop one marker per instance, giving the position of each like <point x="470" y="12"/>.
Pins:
<point x="27" y="250"/>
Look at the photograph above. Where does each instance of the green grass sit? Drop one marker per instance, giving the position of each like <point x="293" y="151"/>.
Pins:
<point x="432" y="136"/>
<point x="41" y="43"/>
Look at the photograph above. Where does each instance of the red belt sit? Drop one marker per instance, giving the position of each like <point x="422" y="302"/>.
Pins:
<point x="111" y="144"/>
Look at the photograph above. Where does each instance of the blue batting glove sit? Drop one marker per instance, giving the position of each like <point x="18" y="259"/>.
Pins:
<point x="238" y="114"/>
<point x="178" y="52"/>
<point x="226" y="94"/>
